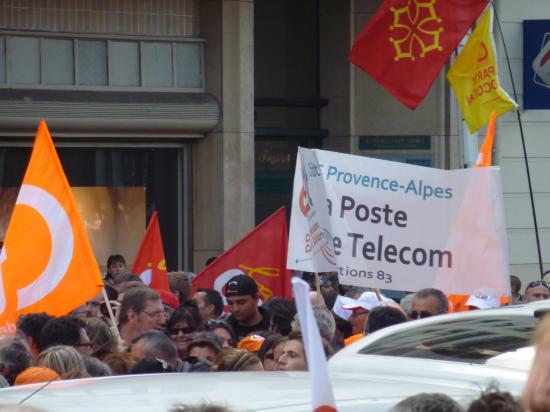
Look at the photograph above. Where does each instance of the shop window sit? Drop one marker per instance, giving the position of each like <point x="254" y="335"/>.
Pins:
<point x="116" y="190"/>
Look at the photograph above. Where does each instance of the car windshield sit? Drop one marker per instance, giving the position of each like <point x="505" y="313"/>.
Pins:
<point x="471" y="340"/>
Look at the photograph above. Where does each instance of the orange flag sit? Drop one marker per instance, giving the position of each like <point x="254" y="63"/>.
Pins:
<point x="149" y="263"/>
<point x="485" y="157"/>
<point x="47" y="263"/>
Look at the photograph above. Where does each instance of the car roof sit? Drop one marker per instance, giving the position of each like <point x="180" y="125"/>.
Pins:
<point x="530" y="310"/>
<point x="242" y="391"/>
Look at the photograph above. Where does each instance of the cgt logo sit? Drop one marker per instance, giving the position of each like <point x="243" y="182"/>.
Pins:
<point x="541" y="63"/>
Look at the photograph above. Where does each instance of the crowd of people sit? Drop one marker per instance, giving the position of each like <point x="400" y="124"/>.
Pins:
<point x="133" y="329"/>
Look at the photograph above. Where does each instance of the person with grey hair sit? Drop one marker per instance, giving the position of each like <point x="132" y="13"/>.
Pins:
<point x="15" y="357"/>
<point x="155" y="344"/>
<point x="325" y="322"/>
<point x="95" y="367"/>
<point x="427" y="402"/>
<point x="406" y="303"/>
<point x="141" y="310"/>
<point x="429" y="302"/>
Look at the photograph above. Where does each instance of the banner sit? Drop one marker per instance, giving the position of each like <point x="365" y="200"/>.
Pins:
<point x="474" y="77"/>
<point x="407" y="42"/>
<point x="399" y="226"/>
<point x="261" y="254"/>
<point x="149" y="263"/>
<point x="47" y="263"/>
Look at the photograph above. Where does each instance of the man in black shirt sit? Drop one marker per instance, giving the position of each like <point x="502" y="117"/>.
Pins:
<point x="242" y="298"/>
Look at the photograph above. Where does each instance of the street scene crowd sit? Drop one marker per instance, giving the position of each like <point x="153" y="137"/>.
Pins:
<point x="174" y="331"/>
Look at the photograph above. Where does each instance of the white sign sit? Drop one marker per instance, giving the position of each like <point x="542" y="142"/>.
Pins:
<point x="398" y="226"/>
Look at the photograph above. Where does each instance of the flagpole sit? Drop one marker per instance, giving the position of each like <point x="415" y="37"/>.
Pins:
<point x="531" y="196"/>
<point x="114" y="327"/>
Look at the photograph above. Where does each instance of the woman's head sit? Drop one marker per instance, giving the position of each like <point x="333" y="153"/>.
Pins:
<point x="239" y="360"/>
<point x="271" y="350"/>
<point x="65" y="360"/>
<point x="224" y="332"/>
<point x="181" y="326"/>
<point x="116" y="266"/>
<point x="102" y="340"/>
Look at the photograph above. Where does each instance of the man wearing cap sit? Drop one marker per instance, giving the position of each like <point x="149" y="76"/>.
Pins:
<point x="360" y="311"/>
<point x="242" y="298"/>
<point x="483" y="298"/>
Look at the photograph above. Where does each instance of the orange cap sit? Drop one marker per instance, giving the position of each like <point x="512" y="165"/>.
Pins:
<point x="251" y="343"/>
<point x="34" y="374"/>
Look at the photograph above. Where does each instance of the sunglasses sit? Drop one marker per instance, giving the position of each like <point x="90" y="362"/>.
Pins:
<point x="422" y="314"/>
<point x="536" y="283"/>
<point x="185" y="331"/>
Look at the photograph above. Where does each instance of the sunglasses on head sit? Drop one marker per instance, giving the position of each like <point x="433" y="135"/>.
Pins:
<point x="537" y="283"/>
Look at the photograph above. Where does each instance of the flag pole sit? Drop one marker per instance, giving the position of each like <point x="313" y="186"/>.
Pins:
<point x="114" y="327"/>
<point x="531" y="196"/>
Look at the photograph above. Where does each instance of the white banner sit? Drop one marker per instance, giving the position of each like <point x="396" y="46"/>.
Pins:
<point x="398" y="226"/>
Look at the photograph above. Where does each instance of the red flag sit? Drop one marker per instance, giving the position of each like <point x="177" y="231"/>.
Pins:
<point x="149" y="263"/>
<point x="261" y="254"/>
<point x="407" y="42"/>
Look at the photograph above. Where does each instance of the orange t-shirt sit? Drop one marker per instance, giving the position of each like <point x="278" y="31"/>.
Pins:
<point x="353" y="338"/>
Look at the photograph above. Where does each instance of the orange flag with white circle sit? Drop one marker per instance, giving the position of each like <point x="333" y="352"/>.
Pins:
<point x="46" y="263"/>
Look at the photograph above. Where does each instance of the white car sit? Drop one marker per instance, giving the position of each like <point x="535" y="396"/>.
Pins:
<point x="481" y="346"/>
<point x="240" y="391"/>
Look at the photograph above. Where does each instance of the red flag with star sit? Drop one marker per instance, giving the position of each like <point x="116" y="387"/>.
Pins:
<point x="149" y="263"/>
<point x="407" y="42"/>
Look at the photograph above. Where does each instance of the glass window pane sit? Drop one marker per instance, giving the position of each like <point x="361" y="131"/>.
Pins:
<point x="58" y="61"/>
<point x="124" y="63"/>
<point x="189" y="65"/>
<point x="157" y="64"/>
<point x="92" y="62"/>
<point x="23" y="59"/>
<point x="2" y="60"/>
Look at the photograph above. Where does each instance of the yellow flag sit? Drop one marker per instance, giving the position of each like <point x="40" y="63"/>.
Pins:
<point x="474" y="77"/>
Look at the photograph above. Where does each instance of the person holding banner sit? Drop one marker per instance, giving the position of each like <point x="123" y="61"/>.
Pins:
<point x="429" y="302"/>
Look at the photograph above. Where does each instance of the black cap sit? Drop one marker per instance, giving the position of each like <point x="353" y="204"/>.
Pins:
<point x="241" y="285"/>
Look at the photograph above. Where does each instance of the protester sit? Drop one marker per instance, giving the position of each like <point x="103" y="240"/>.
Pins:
<point x="91" y="308"/>
<point x="29" y="329"/>
<point x="205" y="348"/>
<point x="536" y="394"/>
<point x="282" y="312"/>
<point x="224" y="332"/>
<point x="170" y="302"/>
<point x="151" y="364"/>
<point x="102" y="340"/>
<point x="270" y="351"/>
<point x="181" y="326"/>
<point x="429" y="302"/>
<point x="406" y="303"/>
<point x="209" y="302"/>
<point x="180" y="285"/>
<point x="242" y="298"/>
<point x="141" y="310"/>
<point x="233" y="360"/>
<point x="326" y="324"/>
<point x="328" y="284"/>
<point x="382" y="317"/>
<point x="515" y="286"/>
<point x="116" y="267"/>
<point x="66" y="330"/>
<point x="154" y="344"/>
<point x="293" y="357"/>
<point x="121" y="363"/>
<point x="536" y="290"/>
<point x="65" y="360"/>
<point x="15" y="357"/>
<point x="427" y="402"/>
<point x="361" y="308"/>
<point x="95" y="367"/>
<point x="493" y="400"/>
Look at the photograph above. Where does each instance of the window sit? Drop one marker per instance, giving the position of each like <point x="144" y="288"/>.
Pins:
<point x="76" y="62"/>
<point x="465" y="340"/>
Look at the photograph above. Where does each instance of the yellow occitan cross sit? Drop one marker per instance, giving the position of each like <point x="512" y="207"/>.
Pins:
<point x="265" y="292"/>
<point x="411" y="19"/>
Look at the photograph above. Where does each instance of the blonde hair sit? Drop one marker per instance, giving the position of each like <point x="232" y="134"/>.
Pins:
<point x="236" y="360"/>
<point x="65" y="360"/>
